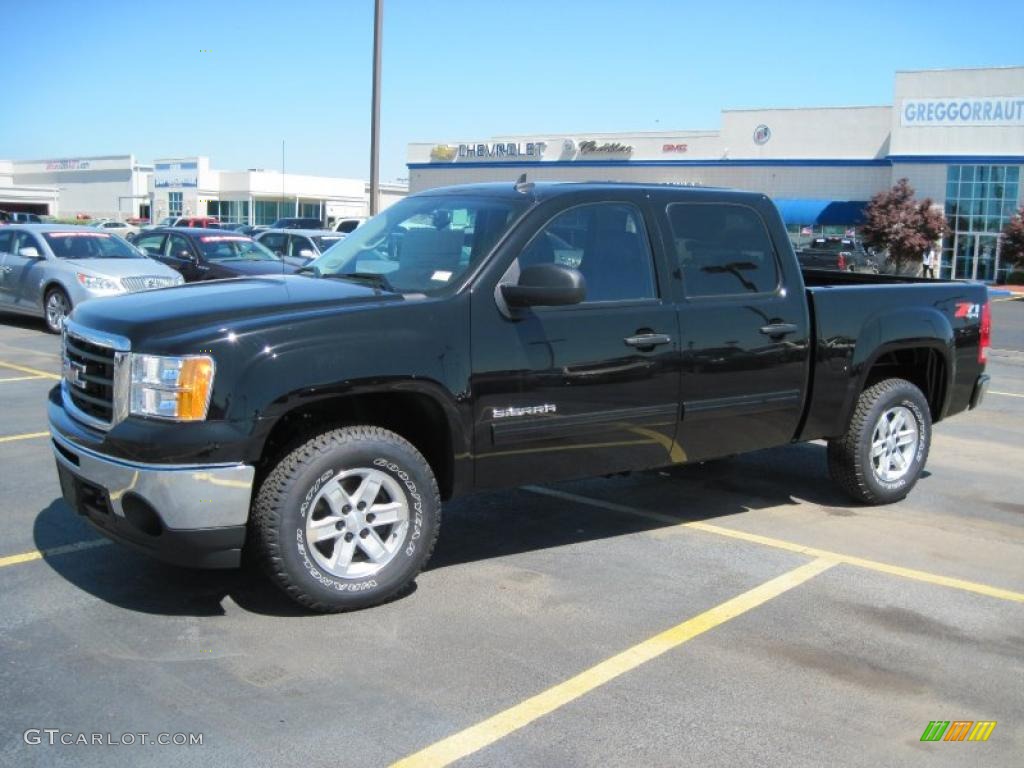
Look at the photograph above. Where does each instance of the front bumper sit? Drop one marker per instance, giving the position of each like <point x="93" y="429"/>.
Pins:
<point x="187" y="514"/>
<point x="980" y="388"/>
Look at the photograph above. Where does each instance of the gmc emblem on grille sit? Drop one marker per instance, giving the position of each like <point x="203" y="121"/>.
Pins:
<point x="74" y="373"/>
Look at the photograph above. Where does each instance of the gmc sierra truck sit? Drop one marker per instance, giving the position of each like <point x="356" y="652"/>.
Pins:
<point x="483" y="337"/>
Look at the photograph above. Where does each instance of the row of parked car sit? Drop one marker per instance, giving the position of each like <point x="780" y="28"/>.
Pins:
<point x="48" y="269"/>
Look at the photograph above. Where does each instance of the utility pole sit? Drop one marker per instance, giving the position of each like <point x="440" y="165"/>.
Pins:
<point x="378" y="31"/>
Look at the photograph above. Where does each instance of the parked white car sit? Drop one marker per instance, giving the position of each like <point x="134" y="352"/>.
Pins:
<point x="115" y="227"/>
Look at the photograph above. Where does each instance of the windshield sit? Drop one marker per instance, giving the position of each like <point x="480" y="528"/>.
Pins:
<point x="89" y="245"/>
<point x="422" y="244"/>
<point x="229" y="247"/>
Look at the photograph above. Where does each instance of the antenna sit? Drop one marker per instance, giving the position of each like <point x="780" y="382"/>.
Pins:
<point x="523" y="186"/>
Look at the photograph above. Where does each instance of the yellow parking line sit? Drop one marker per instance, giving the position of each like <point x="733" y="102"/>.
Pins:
<point x="1004" y="394"/>
<point x="1007" y="298"/>
<point x="485" y="733"/>
<point x="37" y="554"/>
<point x="33" y="371"/>
<point x="26" y="436"/>
<point x="838" y="557"/>
<point x="20" y="378"/>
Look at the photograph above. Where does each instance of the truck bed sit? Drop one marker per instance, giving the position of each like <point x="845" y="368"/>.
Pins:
<point x="861" y="319"/>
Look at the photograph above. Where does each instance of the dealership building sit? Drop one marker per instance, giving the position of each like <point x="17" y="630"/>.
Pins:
<point x="119" y="187"/>
<point x="956" y="135"/>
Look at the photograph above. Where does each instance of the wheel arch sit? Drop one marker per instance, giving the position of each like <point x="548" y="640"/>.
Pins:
<point x="413" y="410"/>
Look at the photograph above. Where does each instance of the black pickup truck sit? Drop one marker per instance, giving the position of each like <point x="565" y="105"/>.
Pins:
<point x="483" y="337"/>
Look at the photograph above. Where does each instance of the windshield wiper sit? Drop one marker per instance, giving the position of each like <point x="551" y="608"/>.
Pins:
<point x="376" y="278"/>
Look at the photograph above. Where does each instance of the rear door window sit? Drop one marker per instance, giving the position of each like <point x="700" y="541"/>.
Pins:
<point x="6" y="239"/>
<point x="722" y="249"/>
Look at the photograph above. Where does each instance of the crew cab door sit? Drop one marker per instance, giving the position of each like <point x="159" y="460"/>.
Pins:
<point x="744" y="326"/>
<point x="585" y="389"/>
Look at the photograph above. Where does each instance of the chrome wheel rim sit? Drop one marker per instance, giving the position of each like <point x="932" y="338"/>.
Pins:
<point x="357" y="523"/>
<point x="56" y="310"/>
<point x="894" y="444"/>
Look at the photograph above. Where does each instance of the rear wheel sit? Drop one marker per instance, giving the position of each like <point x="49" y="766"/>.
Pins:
<point x="880" y="456"/>
<point x="348" y="519"/>
<point x="58" y="307"/>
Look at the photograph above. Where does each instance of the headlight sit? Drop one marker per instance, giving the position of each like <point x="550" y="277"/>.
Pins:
<point x="101" y="284"/>
<point x="175" y="388"/>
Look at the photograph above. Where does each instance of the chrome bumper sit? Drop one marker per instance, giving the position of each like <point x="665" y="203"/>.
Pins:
<point x="186" y="497"/>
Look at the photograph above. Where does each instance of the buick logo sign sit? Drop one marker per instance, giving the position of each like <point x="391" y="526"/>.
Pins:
<point x="761" y="134"/>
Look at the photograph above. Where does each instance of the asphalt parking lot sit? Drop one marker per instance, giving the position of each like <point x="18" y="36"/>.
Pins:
<point x="735" y="613"/>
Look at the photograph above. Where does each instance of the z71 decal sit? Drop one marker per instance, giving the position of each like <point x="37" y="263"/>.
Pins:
<point x="967" y="310"/>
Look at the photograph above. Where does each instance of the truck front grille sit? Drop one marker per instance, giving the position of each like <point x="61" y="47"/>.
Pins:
<point x="92" y="364"/>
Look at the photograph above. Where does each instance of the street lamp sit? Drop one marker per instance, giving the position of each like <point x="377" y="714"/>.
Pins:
<point x="378" y="30"/>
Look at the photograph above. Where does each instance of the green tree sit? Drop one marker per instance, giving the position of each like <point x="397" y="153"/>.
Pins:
<point x="904" y="227"/>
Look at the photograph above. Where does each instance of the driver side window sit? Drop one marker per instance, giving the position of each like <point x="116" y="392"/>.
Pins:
<point x="606" y="242"/>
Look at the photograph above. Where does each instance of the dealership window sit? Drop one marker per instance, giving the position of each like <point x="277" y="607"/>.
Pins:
<point x="174" y="203"/>
<point x="980" y="199"/>
<point x="723" y="249"/>
<point x="234" y="211"/>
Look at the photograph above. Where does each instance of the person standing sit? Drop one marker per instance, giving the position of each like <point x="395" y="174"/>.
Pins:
<point x="928" y="262"/>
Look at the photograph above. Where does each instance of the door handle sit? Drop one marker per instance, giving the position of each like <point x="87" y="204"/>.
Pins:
<point x="648" y="340"/>
<point x="779" y="329"/>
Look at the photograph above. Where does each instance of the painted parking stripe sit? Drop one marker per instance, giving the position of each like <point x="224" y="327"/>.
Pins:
<point x="20" y="378"/>
<point x="26" y="436"/>
<point x="39" y="554"/>
<point x="1004" y="394"/>
<point x="485" y="733"/>
<point x="791" y="546"/>
<point x="26" y="369"/>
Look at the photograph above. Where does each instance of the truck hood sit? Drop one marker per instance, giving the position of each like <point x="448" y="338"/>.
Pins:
<point x="234" y="303"/>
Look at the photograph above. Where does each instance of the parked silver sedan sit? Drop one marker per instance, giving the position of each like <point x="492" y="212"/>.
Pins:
<point x="46" y="269"/>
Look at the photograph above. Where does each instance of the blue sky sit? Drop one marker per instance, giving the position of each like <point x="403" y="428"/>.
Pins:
<point x="231" y="80"/>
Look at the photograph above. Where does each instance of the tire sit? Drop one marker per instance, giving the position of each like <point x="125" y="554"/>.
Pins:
<point x="61" y="307"/>
<point x="308" y="508"/>
<point x="863" y="460"/>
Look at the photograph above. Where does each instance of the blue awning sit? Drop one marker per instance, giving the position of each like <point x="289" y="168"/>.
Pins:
<point x="806" y="211"/>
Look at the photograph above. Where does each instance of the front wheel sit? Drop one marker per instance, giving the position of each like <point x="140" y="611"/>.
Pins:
<point x="879" y="458"/>
<point x="348" y="519"/>
<point x="57" y="306"/>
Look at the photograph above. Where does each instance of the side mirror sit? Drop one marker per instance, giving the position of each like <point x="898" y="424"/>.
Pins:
<point x="30" y="252"/>
<point x="306" y="253"/>
<point x="546" y="285"/>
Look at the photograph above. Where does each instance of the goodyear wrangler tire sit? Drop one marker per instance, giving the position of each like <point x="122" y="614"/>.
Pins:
<point x="348" y="519"/>
<point x="879" y="458"/>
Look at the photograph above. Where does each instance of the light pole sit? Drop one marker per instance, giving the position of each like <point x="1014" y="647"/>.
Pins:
<point x="378" y="31"/>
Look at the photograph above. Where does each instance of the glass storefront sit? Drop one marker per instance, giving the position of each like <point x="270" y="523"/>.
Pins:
<point x="980" y="199"/>
<point x="174" y="203"/>
<point x="233" y="211"/>
<point x="269" y="211"/>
